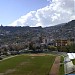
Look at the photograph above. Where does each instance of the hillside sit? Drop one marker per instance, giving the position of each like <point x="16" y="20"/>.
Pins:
<point x="66" y="30"/>
<point x="24" y="34"/>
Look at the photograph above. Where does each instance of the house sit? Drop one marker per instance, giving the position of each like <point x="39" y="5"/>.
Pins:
<point x="71" y="41"/>
<point x="61" y="42"/>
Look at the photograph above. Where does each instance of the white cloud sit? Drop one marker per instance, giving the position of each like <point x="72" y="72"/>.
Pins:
<point x="72" y="17"/>
<point x="59" y="11"/>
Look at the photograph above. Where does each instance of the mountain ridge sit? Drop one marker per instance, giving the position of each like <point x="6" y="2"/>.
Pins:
<point x="20" y="34"/>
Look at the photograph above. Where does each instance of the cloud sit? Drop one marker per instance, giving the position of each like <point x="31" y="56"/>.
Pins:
<point x="59" y="11"/>
<point x="72" y="17"/>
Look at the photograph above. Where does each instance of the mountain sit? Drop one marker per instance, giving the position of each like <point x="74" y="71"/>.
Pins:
<point x="65" y="30"/>
<point x="24" y="34"/>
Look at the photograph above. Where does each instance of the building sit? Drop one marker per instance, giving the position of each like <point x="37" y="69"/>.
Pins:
<point x="61" y="42"/>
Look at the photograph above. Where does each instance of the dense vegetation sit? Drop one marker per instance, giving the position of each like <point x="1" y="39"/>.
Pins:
<point x="68" y="48"/>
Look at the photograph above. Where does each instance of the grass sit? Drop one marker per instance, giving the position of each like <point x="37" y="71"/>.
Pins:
<point x="73" y="60"/>
<point x="61" y="69"/>
<point x="27" y="65"/>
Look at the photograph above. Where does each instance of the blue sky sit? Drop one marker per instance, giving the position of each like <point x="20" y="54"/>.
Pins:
<point x="36" y="12"/>
<point x="10" y="10"/>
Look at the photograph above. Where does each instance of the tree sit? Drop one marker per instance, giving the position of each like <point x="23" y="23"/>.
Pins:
<point x="72" y="48"/>
<point x="52" y="48"/>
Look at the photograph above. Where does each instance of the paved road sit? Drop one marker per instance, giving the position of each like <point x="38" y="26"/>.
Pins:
<point x="68" y="65"/>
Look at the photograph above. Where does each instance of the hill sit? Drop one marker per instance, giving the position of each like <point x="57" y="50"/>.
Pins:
<point x="66" y="30"/>
<point x="24" y="34"/>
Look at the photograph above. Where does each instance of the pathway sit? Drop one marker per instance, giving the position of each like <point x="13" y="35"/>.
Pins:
<point x="55" y="67"/>
<point x="8" y="57"/>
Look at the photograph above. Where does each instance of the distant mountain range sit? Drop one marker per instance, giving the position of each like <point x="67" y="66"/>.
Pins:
<point x="20" y="34"/>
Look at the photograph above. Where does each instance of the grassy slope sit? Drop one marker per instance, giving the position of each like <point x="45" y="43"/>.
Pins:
<point x="28" y="65"/>
<point x="73" y="60"/>
<point x="61" y="70"/>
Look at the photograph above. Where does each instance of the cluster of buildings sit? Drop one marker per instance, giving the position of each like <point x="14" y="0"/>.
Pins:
<point x="43" y="40"/>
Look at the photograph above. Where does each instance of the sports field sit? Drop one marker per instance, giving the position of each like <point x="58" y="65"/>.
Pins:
<point x="27" y="65"/>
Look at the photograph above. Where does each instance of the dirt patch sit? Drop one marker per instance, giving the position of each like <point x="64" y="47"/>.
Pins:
<point x="1" y="73"/>
<point x="38" y="54"/>
<point x="9" y="71"/>
<point x="23" y="63"/>
<point x="32" y="57"/>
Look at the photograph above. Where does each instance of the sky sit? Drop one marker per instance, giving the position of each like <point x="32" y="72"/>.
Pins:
<point x="36" y="12"/>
